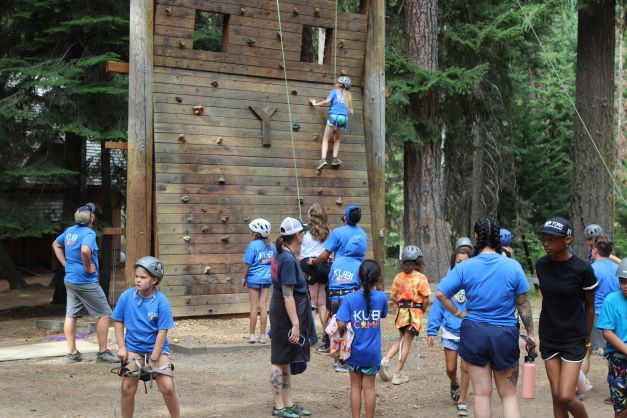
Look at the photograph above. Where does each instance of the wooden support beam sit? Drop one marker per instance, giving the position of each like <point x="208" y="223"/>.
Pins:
<point x="116" y="145"/>
<point x="113" y="230"/>
<point x="374" y="126"/>
<point x="139" y="204"/>
<point x="264" y="114"/>
<point x="117" y="67"/>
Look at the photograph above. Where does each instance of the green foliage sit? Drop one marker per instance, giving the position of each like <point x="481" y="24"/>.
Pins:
<point x="208" y="29"/>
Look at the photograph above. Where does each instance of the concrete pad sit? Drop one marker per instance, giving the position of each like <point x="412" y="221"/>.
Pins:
<point x="215" y="348"/>
<point x="56" y="325"/>
<point x="43" y="350"/>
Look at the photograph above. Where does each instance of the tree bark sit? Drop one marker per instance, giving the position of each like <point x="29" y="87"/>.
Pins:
<point x="73" y="156"/>
<point x="424" y="222"/>
<point x="478" y="205"/>
<point x="12" y="274"/>
<point x="592" y="187"/>
<point x="106" y="267"/>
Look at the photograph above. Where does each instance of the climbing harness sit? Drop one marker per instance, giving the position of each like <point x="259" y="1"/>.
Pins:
<point x="144" y="372"/>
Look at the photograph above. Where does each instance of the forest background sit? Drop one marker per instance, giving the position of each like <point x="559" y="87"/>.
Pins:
<point x="502" y="127"/>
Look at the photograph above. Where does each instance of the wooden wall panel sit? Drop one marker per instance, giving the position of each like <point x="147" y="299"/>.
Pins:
<point x="213" y="166"/>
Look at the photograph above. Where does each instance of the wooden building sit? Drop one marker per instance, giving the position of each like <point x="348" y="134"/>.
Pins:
<point x="232" y="137"/>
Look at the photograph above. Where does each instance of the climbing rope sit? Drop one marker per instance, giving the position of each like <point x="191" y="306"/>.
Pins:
<point x="572" y="103"/>
<point x="335" y="44"/>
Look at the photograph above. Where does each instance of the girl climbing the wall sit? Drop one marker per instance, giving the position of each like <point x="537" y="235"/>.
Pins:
<point x="341" y="106"/>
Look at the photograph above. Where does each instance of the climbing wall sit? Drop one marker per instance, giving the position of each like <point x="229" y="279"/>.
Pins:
<point x="223" y="153"/>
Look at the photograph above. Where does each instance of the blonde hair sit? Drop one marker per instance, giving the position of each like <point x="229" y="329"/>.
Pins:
<point x="318" y="222"/>
<point x="348" y="98"/>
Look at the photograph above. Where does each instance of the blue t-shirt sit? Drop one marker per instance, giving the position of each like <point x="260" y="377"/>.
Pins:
<point x="143" y="318"/>
<point x="258" y="257"/>
<point x="438" y="316"/>
<point x="366" y="347"/>
<point x="614" y="317"/>
<point x="605" y="272"/>
<point x="289" y="274"/>
<point x="338" y="103"/>
<point x="72" y="239"/>
<point x="344" y="274"/>
<point x="491" y="282"/>
<point x="347" y="240"/>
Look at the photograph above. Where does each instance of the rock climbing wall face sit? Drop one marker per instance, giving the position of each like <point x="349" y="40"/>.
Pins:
<point x="223" y="136"/>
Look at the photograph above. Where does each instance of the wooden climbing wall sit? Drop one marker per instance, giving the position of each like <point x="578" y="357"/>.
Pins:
<point x="212" y="172"/>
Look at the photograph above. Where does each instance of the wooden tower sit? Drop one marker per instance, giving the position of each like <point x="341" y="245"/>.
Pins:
<point x="211" y="144"/>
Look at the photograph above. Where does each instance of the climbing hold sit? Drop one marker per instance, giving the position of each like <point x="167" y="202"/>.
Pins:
<point x="185" y="198"/>
<point x="281" y="64"/>
<point x="279" y="36"/>
<point x="187" y="238"/>
<point x="251" y="41"/>
<point x="198" y="110"/>
<point x="168" y="11"/>
<point x="318" y="172"/>
<point x="179" y="99"/>
<point x="214" y="83"/>
<point x="225" y="239"/>
<point x="181" y="44"/>
<point x="219" y="140"/>
<point x="295" y="11"/>
<point x="340" y="44"/>
<point x="188" y="300"/>
<point x="242" y="11"/>
<point x="339" y="201"/>
<point x="205" y="229"/>
<point x="294" y="92"/>
<point x="296" y="126"/>
<point x="312" y="101"/>
<point x="228" y="279"/>
<point x="301" y="201"/>
<point x="317" y="12"/>
<point x="320" y="190"/>
<point x="207" y="270"/>
<point x="203" y="209"/>
<point x="246" y="218"/>
<point x="190" y="218"/>
<point x="343" y="71"/>
<point x="225" y="219"/>
<point x="182" y="138"/>
<point x="221" y="180"/>
<point x="161" y="188"/>
<point x="315" y="137"/>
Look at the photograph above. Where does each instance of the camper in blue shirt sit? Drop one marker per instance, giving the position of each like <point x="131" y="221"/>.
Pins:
<point x="339" y="238"/>
<point x="604" y="270"/>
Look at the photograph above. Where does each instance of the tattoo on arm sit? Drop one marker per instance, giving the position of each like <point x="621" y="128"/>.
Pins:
<point x="288" y="290"/>
<point x="524" y="310"/>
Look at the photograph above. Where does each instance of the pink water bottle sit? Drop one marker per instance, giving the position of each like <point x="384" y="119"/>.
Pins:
<point x="529" y="376"/>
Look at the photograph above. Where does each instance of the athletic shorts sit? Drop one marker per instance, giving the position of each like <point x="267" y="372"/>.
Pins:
<point x="258" y="286"/>
<point x="317" y="273"/>
<point x="617" y="380"/>
<point x="87" y="296"/>
<point x="481" y="344"/>
<point x="338" y="121"/>
<point x="572" y="352"/>
<point x="368" y="371"/>
<point x="450" y="343"/>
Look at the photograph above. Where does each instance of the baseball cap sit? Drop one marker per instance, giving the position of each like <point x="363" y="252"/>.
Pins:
<point x="83" y="214"/>
<point x="558" y="226"/>
<point x="290" y="226"/>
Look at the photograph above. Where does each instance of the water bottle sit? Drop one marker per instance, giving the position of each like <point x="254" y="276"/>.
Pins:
<point x="529" y="376"/>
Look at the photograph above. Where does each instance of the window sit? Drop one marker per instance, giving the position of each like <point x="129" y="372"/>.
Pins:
<point x="316" y="45"/>
<point x="209" y="31"/>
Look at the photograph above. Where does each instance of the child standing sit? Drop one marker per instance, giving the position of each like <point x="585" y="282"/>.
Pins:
<point x="147" y="316"/>
<point x="613" y="324"/>
<point x="341" y="106"/>
<point x="364" y="310"/>
<point x="258" y="277"/>
<point x="411" y="292"/>
<point x="506" y="243"/>
<point x="450" y="338"/>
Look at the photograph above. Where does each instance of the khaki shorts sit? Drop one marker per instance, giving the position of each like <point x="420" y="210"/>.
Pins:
<point x="88" y="296"/>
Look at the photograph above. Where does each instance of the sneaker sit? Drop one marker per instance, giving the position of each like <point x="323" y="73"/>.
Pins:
<point x="252" y="338"/>
<point x="321" y="164"/>
<point x="462" y="410"/>
<point x="323" y="349"/>
<point x="384" y="371"/>
<point x="75" y="358"/>
<point x="455" y="392"/>
<point x="106" y="357"/>
<point x="399" y="378"/>
<point x="341" y="367"/>
<point x="299" y="410"/>
<point x="336" y="162"/>
<point x="263" y="339"/>
<point x="283" y="412"/>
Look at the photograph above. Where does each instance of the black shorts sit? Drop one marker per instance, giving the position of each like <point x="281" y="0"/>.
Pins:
<point x="316" y="273"/>
<point x="572" y="352"/>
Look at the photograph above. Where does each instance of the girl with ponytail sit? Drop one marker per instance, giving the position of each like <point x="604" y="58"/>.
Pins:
<point x="363" y="311"/>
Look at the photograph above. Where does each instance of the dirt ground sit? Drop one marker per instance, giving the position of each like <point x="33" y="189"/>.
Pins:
<point x="234" y="384"/>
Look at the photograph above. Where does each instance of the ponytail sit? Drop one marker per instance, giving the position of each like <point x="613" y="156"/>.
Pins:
<point x="279" y="244"/>
<point x="488" y="235"/>
<point x="369" y="274"/>
<point x="348" y="98"/>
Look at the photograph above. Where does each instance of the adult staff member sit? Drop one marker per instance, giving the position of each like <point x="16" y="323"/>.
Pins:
<point x="77" y="251"/>
<point x="495" y="287"/>
<point x="338" y="240"/>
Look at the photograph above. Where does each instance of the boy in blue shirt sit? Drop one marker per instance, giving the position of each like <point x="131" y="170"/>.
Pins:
<point x="613" y="323"/>
<point x="604" y="270"/>
<point x="147" y="316"/>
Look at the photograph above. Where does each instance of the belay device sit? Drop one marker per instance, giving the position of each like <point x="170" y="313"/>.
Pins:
<point x="145" y="372"/>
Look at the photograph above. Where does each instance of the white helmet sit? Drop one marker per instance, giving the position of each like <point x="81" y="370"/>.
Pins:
<point x="260" y="226"/>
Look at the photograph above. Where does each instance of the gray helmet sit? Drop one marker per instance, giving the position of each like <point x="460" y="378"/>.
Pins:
<point x="592" y="230"/>
<point x="411" y="253"/>
<point x="152" y="264"/>
<point x="463" y="242"/>
<point x="346" y="81"/>
<point x="621" y="271"/>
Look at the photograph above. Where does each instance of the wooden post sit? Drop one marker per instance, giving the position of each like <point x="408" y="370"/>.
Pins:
<point x="140" y="135"/>
<point x="374" y="119"/>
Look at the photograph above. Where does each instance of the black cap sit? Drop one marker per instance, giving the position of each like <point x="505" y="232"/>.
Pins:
<point x="560" y="227"/>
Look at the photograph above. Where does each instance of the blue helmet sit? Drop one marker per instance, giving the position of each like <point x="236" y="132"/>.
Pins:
<point x="506" y="237"/>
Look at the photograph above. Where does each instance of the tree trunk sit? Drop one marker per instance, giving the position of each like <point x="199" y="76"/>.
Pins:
<point x="424" y="223"/>
<point x="106" y="217"/>
<point x="12" y="274"/>
<point x="478" y="205"/>
<point x="59" y="297"/>
<point x="592" y="187"/>
<point x="73" y="156"/>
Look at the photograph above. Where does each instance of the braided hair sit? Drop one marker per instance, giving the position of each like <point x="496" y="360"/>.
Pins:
<point x="488" y="235"/>
<point x="369" y="274"/>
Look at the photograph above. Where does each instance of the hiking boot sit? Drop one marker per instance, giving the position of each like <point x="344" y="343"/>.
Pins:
<point x="298" y="410"/>
<point x="252" y="338"/>
<point x="323" y="349"/>
<point x="336" y="162"/>
<point x="283" y="412"/>
<point x="384" y="371"/>
<point x="263" y="339"/>
<point x="455" y="392"/>
<point x="399" y="378"/>
<point x="321" y="164"/>
<point x="106" y="357"/>
<point x="75" y="358"/>
<point x="462" y="410"/>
